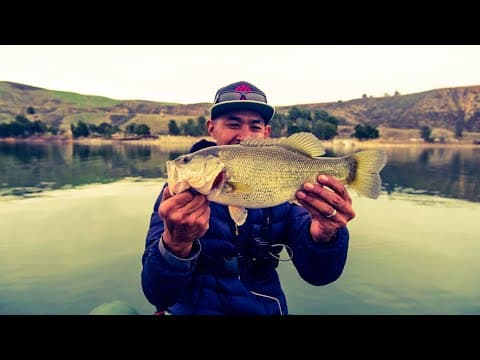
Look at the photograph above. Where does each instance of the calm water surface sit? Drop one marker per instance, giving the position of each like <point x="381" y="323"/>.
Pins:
<point x="73" y="220"/>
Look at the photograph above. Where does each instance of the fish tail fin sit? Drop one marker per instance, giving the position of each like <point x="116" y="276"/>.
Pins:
<point x="366" y="179"/>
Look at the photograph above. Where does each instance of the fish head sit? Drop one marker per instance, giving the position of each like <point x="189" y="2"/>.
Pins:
<point x="202" y="173"/>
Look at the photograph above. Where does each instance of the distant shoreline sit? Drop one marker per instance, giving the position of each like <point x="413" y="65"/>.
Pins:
<point x="186" y="141"/>
<point x="381" y="143"/>
<point x="160" y="140"/>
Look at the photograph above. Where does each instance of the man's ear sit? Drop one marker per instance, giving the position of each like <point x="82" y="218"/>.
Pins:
<point x="210" y="127"/>
<point x="267" y="131"/>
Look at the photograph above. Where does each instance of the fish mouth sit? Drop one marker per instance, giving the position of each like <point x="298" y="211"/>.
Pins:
<point x="211" y="178"/>
<point x="219" y="180"/>
<point x="174" y="185"/>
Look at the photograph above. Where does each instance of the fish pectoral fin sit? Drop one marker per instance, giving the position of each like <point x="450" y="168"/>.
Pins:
<point x="238" y="214"/>
<point x="235" y="186"/>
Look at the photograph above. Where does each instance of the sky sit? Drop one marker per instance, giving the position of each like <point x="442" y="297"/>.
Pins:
<point x="288" y="74"/>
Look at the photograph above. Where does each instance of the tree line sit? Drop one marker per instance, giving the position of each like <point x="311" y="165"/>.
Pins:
<point x="189" y="128"/>
<point x="82" y="129"/>
<point x="23" y="127"/>
<point x="318" y="122"/>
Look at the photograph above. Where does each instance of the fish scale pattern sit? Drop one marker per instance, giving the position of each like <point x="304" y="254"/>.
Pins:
<point x="273" y="174"/>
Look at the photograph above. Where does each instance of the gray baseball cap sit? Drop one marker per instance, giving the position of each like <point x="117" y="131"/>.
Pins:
<point x="241" y="95"/>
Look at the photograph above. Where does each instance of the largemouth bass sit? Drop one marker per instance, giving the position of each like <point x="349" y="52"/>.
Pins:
<point x="261" y="173"/>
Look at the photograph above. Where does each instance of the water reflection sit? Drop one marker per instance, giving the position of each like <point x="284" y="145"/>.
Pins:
<point x="31" y="168"/>
<point x="406" y="255"/>
<point x="436" y="171"/>
<point x="28" y="169"/>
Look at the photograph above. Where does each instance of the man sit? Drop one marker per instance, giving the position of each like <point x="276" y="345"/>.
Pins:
<point x="198" y="262"/>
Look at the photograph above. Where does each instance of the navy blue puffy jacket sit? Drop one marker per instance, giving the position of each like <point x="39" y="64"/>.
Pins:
<point x="232" y="270"/>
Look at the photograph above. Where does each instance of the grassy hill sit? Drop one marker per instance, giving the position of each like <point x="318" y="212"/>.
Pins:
<point x="440" y="109"/>
<point x="62" y="108"/>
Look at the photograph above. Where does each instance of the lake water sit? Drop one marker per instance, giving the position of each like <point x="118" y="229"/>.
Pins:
<point x="73" y="220"/>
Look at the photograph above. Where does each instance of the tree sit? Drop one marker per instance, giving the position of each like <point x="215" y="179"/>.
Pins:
<point x="294" y="113"/>
<point x="292" y="129"/>
<point x="303" y="124"/>
<point x="320" y="115"/>
<point x="130" y="128"/>
<point x="53" y="129"/>
<point x="189" y="128"/>
<point x="142" y="129"/>
<point x="22" y="126"/>
<point x="365" y="131"/>
<point x="16" y="129"/>
<point x="173" y="128"/>
<point x="22" y="120"/>
<point x="459" y="129"/>
<point x="201" y="127"/>
<point x="30" y="110"/>
<point x="332" y="120"/>
<point x="279" y="125"/>
<point x="324" y="130"/>
<point x="276" y="127"/>
<point x="425" y="132"/>
<point x="39" y="127"/>
<point x="81" y="129"/>
<point x="105" y="129"/>
<point x="4" y="130"/>
<point x="93" y="128"/>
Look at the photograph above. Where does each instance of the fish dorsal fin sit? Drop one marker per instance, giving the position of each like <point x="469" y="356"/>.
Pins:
<point x="305" y="143"/>
<point x="257" y="142"/>
<point x="238" y="214"/>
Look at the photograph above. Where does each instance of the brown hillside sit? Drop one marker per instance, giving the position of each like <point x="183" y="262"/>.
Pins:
<point x="441" y="108"/>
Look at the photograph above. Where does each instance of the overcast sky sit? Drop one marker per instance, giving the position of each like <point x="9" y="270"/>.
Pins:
<point x="288" y="74"/>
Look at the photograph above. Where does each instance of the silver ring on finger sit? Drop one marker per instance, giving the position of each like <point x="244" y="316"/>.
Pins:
<point x="334" y="212"/>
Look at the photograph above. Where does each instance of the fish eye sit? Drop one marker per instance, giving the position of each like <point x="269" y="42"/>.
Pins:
<point x="186" y="159"/>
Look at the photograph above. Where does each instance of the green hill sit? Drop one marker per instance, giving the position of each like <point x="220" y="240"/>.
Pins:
<point x="62" y="108"/>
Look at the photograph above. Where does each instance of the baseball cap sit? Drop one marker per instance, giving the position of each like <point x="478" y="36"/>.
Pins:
<point x="241" y="95"/>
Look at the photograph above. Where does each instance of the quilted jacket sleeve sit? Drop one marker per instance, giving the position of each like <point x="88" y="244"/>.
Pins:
<point x="164" y="275"/>
<point x="316" y="263"/>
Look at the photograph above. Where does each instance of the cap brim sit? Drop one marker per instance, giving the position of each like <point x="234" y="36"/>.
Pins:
<point x="263" y="109"/>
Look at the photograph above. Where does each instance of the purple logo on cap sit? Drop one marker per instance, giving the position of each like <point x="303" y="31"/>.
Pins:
<point x="244" y="88"/>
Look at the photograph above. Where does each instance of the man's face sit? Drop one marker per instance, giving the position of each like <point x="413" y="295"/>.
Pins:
<point x="235" y="126"/>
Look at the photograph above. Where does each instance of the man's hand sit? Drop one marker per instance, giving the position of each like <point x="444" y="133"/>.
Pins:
<point x="329" y="205"/>
<point x="186" y="218"/>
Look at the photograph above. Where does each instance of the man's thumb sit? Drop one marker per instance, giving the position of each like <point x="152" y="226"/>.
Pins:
<point x="166" y="193"/>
